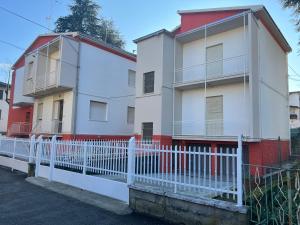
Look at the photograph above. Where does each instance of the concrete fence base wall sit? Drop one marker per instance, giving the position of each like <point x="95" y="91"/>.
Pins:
<point x="15" y="164"/>
<point x="106" y="187"/>
<point x="187" y="211"/>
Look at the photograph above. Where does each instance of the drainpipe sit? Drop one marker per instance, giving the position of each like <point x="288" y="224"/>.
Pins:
<point x="75" y="94"/>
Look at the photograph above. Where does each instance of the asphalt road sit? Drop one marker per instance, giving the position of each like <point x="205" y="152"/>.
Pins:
<point x="24" y="203"/>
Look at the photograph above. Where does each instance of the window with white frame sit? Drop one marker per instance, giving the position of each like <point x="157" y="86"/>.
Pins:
<point x="39" y="113"/>
<point x="98" y="111"/>
<point x="131" y="78"/>
<point x="149" y="82"/>
<point x="214" y="116"/>
<point x="214" y="61"/>
<point x="130" y="115"/>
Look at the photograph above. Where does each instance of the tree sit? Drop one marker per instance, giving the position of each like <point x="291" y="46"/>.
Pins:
<point x="295" y="5"/>
<point x="84" y="19"/>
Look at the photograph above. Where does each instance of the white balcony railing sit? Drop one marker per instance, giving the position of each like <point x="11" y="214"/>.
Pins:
<point x="19" y="128"/>
<point x="218" y="69"/>
<point x="208" y="128"/>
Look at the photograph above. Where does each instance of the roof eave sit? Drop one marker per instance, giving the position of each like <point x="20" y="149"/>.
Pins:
<point x="156" y="33"/>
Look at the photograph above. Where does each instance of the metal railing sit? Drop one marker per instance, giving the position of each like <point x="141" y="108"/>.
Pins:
<point x="19" y="128"/>
<point x="207" y="128"/>
<point x="272" y="194"/>
<point x="57" y="126"/>
<point x="222" y="68"/>
<point x="190" y="171"/>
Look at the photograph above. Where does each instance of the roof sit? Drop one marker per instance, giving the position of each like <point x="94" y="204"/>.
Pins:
<point x="294" y="92"/>
<point x="79" y="36"/>
<point x="249" y="7"/>
<point x="156" y="33"/>
<point x="258" y="10"/>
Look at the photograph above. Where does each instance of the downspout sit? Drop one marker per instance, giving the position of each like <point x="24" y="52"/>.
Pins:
<point x="7" y="99"/>
<point x="75" y="94"/>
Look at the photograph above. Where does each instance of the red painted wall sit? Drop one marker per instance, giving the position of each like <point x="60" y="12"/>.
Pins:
<point x="191" y="21"/>
<point x="17" y="114"/>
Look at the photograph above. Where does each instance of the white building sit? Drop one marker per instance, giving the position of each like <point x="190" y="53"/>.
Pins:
<point x="4" y="107"/>
<point x="220" y="74"/>
<point x="80" y="87"/>
<point x="294" y="100"/>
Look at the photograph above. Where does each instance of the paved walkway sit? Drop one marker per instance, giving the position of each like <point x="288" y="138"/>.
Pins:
<point x="24" y="203"/>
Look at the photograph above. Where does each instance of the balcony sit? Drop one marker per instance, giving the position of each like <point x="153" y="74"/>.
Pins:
<point x="51" y="68"/>
<point x="209" y="130"/>
<point x="233" y="69"/>
<point x="19" y="129"/>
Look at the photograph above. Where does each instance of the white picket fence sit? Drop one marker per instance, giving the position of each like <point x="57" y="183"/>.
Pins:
<point x="190" y="171"/>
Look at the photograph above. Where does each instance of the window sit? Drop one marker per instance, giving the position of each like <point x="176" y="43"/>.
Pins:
<point x="293" y="116"/>
<point x="1" y="94"/>
<point x="214" y="116"/>
<point x="214" y="61"/>
<point x="130" y="115"/>
<point x="147" y="129"/>
<point x="131" y="78"/>
<point x="98" y="111"/>
<point x="148" y="82"/>
<point x="0" y="114"/>
<point x="30" y="69"/>
<point x="40" y="111"/>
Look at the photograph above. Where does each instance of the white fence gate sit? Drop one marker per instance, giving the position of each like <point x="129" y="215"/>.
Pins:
<point x="108" y="167"/>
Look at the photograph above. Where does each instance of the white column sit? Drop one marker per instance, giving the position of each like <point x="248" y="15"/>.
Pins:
<point x="31" y="148"/>
<point x="131" y="161"/>
<point x="84" y="158"/>
<point x="38" y="155"/>
<point x="239" y="179"/>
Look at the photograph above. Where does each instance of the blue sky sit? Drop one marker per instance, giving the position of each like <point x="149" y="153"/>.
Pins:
<point x="133" y="18"/>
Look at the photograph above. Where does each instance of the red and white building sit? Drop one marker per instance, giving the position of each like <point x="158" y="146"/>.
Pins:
<point x="220" y="74"/>
<point x="73" y="86"/>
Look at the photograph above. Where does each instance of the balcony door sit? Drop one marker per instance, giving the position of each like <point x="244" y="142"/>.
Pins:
<point x="53" y="68"/>
<point x="58" y="108"/>
<point x="214" y="61"/>
<point x="214" y="116"/>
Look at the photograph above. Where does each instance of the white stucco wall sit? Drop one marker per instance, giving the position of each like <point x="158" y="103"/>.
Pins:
<point x="155" y="54"/>
<point x="19" y="98"/>
<point x="4" y="112"/>
<point x="274" y="105"/>
<point x="235" y="109"/>
<point x="104" y="77"/>
<point x="294" y="99"/>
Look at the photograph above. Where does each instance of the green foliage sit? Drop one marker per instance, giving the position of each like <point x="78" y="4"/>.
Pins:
<point x="84" y="19"/>
<point x="295" y="6"/>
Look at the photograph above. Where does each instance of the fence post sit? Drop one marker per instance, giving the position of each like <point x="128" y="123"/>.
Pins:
<point x="175" y="158"/>
<point x="239" y="178"/>
<point x="38" y="155"/>
<point x="84" y="158"/>
<point x="52" y="157"/>
<point x="131" y="161"/>
<point x="14" y="150"/>
<point x="31" y="149"/>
